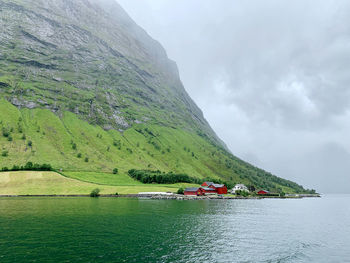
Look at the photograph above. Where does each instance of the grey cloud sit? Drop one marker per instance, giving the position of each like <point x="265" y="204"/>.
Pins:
<point x="271" y="77"/>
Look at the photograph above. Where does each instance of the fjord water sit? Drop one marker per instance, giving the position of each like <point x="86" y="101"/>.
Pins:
<point x="133" y="230"/>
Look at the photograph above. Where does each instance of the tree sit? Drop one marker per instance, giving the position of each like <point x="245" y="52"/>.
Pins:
<point x="28" y="166"/>
<point x="180" y="191"/>
<point x="251" y="188"/>
<point x="74" y="146"/>
<point x="115" y="170"/>
<point x="30" y="143"/>
<point x="95" y="193"/>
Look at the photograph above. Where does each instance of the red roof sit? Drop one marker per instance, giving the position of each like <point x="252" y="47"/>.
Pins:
<point x="263" y="192"/>
<point x="207" y="183"/>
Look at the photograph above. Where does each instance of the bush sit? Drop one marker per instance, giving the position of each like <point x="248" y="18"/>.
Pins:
<point x="5" y="153"/>
<point x="86" y="159"/>
<point x="79" y="155"/>
<point x="117" y="143"/>
<point x="74" y="146"/>
<point x="23" y="137"/>
<point x="30" y="143"/>
<point x="16" y="168"/>
<point x="95" y="193"/>
<point x="5" y="132"/>
<point x="28" y="166"/>
<point x="242" y="193"/>
<point x="115" y="170"/>
<point x="9" y="138"/>
<point x="5" y="169"/>
<point x="116" y="194"/>
<point x="180" y="191"/>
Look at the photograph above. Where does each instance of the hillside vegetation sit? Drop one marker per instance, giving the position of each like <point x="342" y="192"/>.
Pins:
<point x="77" y="147"/>
<point x="84" y="89"/>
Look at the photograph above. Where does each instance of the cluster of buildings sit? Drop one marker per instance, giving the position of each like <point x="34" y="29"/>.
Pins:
<point x="207" y="188"/>
<point x="212" y="188"/>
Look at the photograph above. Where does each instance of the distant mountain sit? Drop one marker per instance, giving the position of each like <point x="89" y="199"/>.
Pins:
<point x="84" y="88"/>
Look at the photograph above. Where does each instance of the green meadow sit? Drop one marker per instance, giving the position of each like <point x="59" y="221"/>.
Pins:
<point x="51" y="183"/>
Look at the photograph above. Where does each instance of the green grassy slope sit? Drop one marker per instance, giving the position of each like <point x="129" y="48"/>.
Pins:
<point x="60" y="140"/>
<point x="51" y="183"/>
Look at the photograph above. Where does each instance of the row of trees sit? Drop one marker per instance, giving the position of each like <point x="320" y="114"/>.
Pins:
<point x="149" y="177"/>
<point x="29" y="166"/>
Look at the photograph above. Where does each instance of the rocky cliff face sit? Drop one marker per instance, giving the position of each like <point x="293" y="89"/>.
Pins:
<point x="89" y="57"/>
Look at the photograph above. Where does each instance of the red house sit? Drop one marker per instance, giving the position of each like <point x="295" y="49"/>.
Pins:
<point x="221" y="189"/>
<point x="263" y="192"/>
<point x="194" y="191"/>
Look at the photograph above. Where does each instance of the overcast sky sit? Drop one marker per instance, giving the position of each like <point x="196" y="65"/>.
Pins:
<point x="272" y="78"/>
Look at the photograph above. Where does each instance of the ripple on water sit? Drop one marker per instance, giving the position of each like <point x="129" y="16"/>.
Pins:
<point x="131" y="230"/>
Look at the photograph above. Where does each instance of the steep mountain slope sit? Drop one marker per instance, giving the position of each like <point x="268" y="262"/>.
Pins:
<point x="84" y="88"/>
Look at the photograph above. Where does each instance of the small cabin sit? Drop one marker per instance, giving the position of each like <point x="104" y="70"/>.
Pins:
<point x="194" y="191"/>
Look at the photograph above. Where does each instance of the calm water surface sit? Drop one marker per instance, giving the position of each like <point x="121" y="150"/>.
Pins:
<point x="131" y="230"/>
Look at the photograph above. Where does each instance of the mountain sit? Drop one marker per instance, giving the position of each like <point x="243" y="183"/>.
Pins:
<point x="84" y="88"/>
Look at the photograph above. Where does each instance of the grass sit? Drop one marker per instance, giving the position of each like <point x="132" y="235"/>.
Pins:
<point x="51" y="183"/>
<point x="103" y="178"/>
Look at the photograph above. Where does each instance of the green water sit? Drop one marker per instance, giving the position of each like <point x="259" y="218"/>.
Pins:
<point x="132" y="230"/>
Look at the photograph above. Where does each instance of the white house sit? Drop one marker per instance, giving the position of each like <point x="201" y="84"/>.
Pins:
<point x="241" y="187"/>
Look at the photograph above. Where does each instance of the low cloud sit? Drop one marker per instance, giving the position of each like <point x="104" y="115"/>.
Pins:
<point x="270" y="76"/>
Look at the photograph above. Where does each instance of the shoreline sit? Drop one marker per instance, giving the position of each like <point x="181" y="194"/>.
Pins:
<point x="171" y="197"/>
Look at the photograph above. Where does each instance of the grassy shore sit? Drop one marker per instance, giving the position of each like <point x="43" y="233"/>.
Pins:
<point x="52" y="183"/>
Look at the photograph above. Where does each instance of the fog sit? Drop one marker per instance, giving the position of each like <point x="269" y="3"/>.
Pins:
<point x="270" y="76"/>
